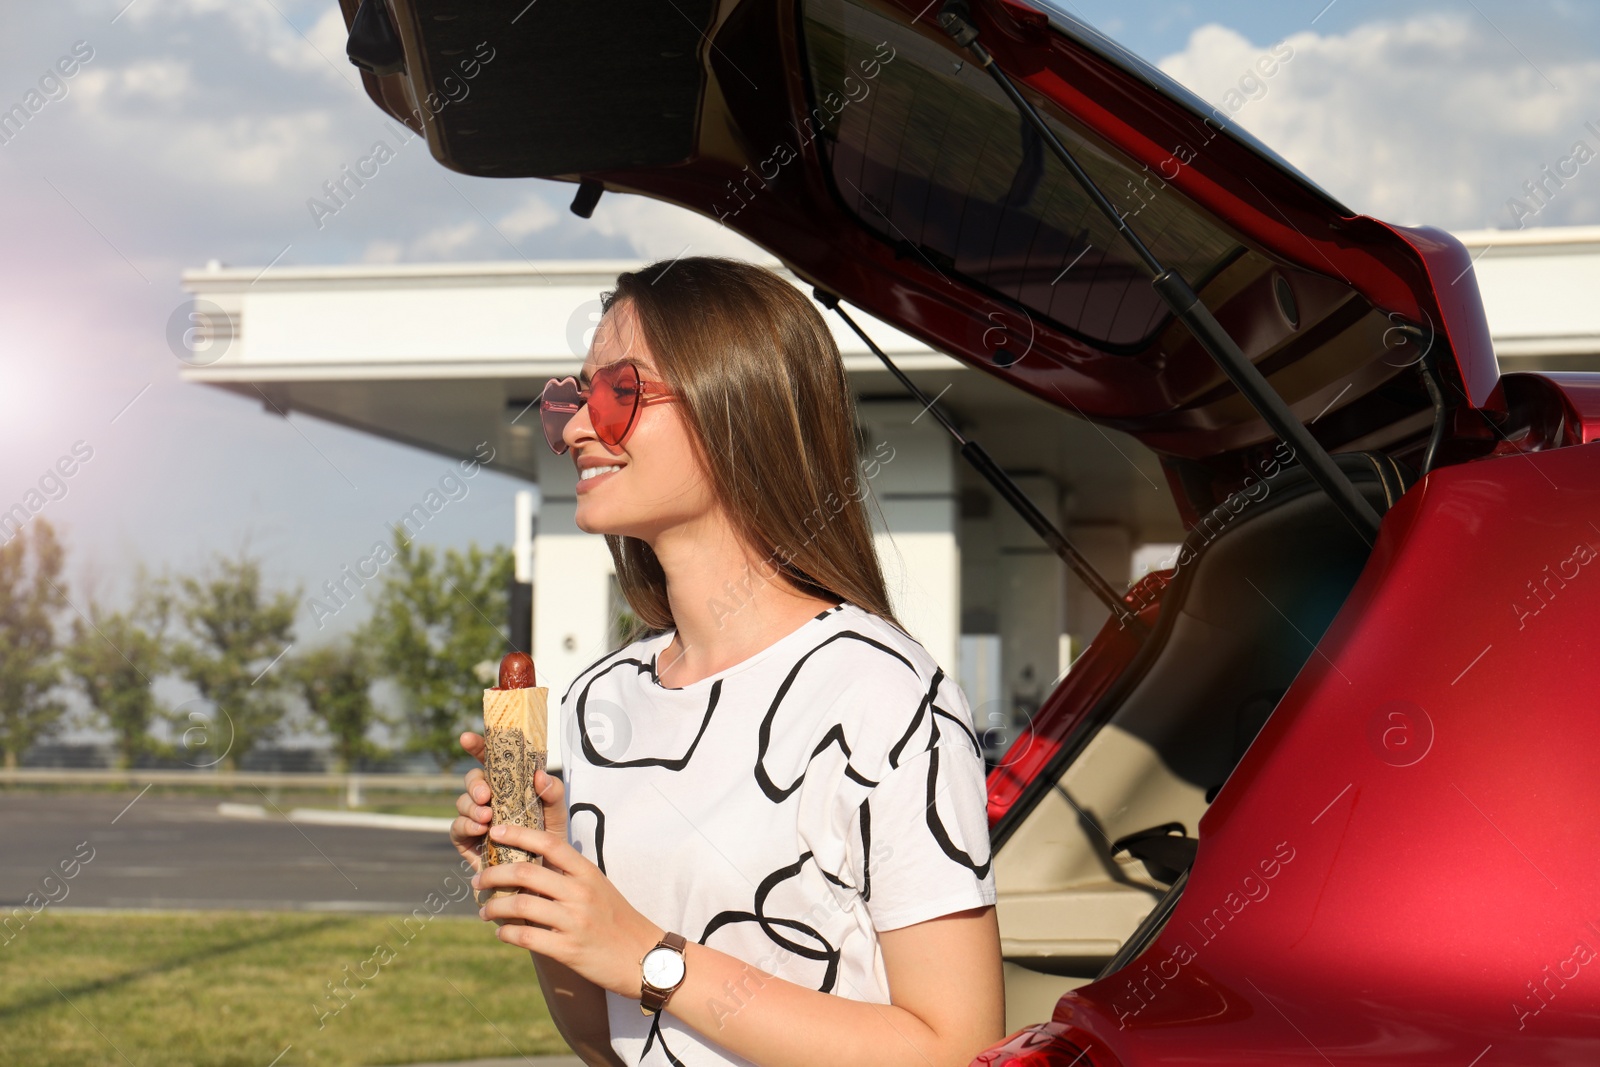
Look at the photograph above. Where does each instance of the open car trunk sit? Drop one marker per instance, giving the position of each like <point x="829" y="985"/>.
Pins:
<point x="857" y="142"/>
<point x="1103" y="830"/>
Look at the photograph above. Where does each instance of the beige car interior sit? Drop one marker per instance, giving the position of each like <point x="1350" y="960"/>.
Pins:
<point x="1237" y="624"/>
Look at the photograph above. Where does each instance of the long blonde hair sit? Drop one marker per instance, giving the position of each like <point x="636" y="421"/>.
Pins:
<point x="773" y="419"/>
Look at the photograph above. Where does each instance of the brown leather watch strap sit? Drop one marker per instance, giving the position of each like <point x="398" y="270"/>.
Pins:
<point x="651" y="999"/>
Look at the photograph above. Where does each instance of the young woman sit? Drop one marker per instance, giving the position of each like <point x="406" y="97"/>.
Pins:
<point x="771" y="845"/>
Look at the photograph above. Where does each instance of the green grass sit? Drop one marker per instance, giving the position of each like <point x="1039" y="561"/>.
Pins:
<point x="233" y="989"/>
<point x="444" y="809"/>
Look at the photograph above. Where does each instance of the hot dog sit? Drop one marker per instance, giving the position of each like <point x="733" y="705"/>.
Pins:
<point x="516" y="671"/>
<point x="514" y="720"/>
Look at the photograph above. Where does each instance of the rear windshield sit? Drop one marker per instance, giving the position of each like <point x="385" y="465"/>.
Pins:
<point x="930" y="155"/>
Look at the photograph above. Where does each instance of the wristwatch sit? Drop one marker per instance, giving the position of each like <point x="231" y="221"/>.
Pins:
<point x="662" y="972"/>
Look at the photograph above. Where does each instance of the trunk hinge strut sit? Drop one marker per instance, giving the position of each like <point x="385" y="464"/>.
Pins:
<point x="974" y="454"/>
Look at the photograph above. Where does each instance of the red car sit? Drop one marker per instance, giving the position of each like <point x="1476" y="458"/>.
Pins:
<point x="1325" y="791"/>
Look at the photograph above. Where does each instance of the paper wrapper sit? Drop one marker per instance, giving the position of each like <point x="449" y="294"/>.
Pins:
<point x="514" y="722"/>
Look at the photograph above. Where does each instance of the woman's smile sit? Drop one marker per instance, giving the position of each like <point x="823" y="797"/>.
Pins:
<point x="588" y="477"/>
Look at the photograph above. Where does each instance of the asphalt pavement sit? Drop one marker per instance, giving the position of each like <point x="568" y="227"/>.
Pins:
<point x="178" y="852"/>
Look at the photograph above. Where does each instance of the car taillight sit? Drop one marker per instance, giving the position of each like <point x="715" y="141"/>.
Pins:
<point x="1042" y="1045"/>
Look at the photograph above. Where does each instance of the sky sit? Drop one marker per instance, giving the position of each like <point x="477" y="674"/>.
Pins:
<point x="194" y="130"/>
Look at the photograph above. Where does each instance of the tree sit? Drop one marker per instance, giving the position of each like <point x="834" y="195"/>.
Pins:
<point x="32" y="593"/>
<point x="432" y="626"/>
<point x="236" y="633"/>
<point x="334" y="680"/>
<point x="115" y="656"/>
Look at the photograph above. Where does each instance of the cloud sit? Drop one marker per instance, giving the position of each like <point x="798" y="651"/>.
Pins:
<point x="162" y="79"/>
<point x="329" y="36"/>
<point x="217" y="109"/>
<point x="465" y="238"/>
<point x="447" y="242"/>
<point x="383" y="251"/>
<point x="1435" y="118"/>
<point x="262" y="29"/>
<point x="532" y="216"/>
<point x="658" y="230"/>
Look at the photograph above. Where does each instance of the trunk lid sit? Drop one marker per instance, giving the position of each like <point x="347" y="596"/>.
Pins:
<point x="855" y="141"/>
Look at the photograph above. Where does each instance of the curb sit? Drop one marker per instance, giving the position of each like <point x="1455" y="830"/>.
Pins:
<point x="376" y="820"/>
<point x="328" y="817"/>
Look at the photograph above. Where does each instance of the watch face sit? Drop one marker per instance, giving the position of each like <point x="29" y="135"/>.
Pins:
<point x="663" y="968"/>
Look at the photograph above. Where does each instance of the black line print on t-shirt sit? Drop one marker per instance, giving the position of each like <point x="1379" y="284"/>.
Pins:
<point x="835" y="734"/>
<point x="769" y="923"/>
<point x="936" y="824"/>
<point x="823" y="614"/>
<point x="599" y="830"/>
<point x="866" y="853"/>
<point x="591" y="667"/>
<point x="961" y="724"/>
<point x="916" y="721"/>
<point x="652" y="1036"/>
<point x="676" y="763"/>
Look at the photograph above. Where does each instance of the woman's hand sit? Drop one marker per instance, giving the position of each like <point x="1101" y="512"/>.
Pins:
<point x="474" y="813"/>
<point x="573" y="914"/>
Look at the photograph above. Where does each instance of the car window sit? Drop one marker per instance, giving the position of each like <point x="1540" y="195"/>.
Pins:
<point x="1064" y="22"/>
<point x="928" y="153"/>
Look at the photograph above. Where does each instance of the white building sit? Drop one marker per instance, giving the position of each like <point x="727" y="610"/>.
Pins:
<point x="443" y="356"/>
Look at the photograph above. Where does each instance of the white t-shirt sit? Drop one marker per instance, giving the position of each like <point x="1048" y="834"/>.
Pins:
<point x="781" y="811"/>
